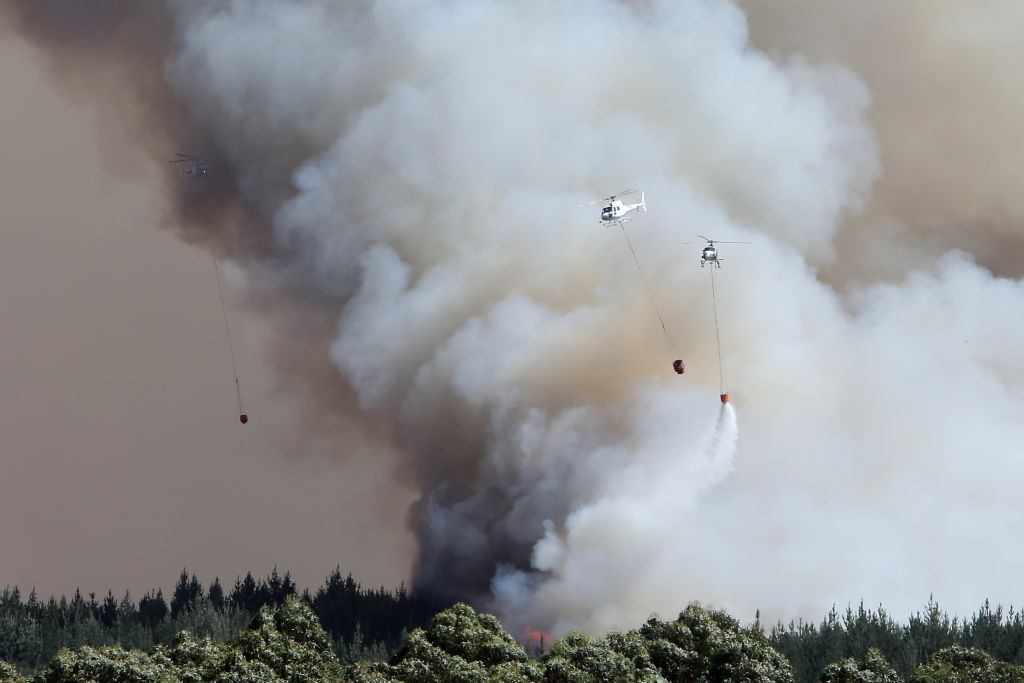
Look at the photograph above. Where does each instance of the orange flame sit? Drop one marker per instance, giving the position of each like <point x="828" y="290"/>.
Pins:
<point x="534" y="638"/>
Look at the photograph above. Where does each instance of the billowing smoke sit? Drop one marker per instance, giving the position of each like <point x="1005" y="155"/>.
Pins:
<point x="621" y="548"/>
<point x="412" y="172"/>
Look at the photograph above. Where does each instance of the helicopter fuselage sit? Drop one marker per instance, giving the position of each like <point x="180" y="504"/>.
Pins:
<point x="709" y="254"/>
<point x="191" y="166"/>
<point x="616" y="211"/>
<point x="194" y="171"/>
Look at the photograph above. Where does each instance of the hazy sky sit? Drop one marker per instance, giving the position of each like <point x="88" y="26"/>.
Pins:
<point x="427" y="295"/>
<point x="121" y="456"/>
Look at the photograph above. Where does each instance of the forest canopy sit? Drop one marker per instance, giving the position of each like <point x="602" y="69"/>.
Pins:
<point x="265" y="630"/>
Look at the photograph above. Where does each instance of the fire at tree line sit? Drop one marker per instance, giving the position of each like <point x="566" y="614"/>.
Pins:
<point x="264" y="630"/>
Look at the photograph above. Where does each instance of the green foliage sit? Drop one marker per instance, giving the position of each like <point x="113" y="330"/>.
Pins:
<point x="459" y="645"/>
<point x="194" y="659"/>
<point x="956" y="663"/>
<point x="130" y="634"/>
<point x="930" y="632"/>
<point x="291" y="642"/>
<point x="635" y="648"/>
<point x="202" y="620"/>
<point x="460" y="631"/>
<point x="204" y="638"/>
<point x="367" y="624"/>
<point x="516" y="672"/>
<point x="906" y="647"/>
<point x="20" y="638"/>
<point x="152" y="609"/>
<point x="286" y="644"/>
<point x="578" y="658"/>
<point x="250" y="595"/>
<point x="105" y="665"/>
<point x="87" y="630"/>
<point x="366" y="672"/>
<point x="420" y="661"/>
<point x="356" y="650"/>
<point x="872" y="669"/>
<point x="8" y="674"/>
<point x="187" y="593"/>
<point x="705" y="644"/>
<point x="382" y="617"/>
<point x="216" y="593"/>
<point x="701" y="645"/>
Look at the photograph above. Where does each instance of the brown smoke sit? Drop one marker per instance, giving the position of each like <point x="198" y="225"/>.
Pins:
<point x="949" y="117"/>
<point x="401" y="186"/>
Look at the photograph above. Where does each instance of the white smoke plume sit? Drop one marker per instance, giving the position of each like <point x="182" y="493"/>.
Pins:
<point x="422" y="164"/>
<point x="648" y="506"/>
<point x="499" y="329"/>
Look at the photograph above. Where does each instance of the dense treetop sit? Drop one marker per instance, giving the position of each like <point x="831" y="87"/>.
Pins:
<point x="287" y="643"/>
<point x="263" y="630"/>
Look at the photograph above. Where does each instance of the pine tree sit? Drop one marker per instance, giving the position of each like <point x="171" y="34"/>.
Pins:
<point x="216" y="593"/>
<point x="186" y="593"/>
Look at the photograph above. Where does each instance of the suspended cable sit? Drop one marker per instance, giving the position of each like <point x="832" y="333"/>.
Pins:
<point x="649" y="292"/>
<point x="718" y="341"/>
<point x="243" y="417"/>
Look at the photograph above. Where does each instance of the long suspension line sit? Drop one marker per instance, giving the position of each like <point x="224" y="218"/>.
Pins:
<point x="649" y="292"/>
<point x="242" y="416"/>
<point x="718" y="341"/>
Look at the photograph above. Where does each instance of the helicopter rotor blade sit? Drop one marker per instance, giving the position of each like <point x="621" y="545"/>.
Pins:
<point x="615" y="196"/>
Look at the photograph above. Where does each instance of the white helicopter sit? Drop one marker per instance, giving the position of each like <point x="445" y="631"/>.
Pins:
<point x="710" y="253"/>
<point x="197" y="168"/>
<point x="615" y="210"/>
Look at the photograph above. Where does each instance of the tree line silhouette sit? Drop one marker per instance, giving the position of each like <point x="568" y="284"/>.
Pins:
<point x="374" y="624"/>
<point x="855" y="632"/>
<point x="362" y="622"/>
